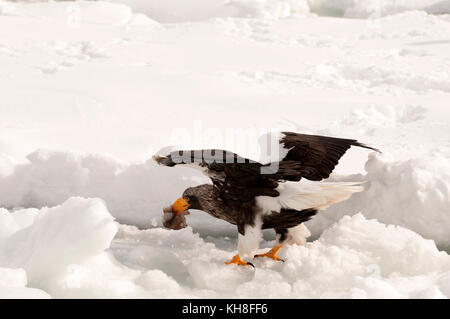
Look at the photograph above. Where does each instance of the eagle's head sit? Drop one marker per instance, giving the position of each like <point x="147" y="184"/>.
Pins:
<point x="192" y="198"/>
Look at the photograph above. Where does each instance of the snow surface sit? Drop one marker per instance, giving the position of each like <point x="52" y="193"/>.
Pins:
<point x="90" y="90"/>
<point x="355" y="257"/>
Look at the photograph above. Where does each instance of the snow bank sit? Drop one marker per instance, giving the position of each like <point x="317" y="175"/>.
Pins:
<point x="360" y="258"/>
<point x="117" y="12"/>
<point x="62" y="251"/>
<point x="13" y="283"/>
<point x="355" y="258"/>
<point x="375" y="9"/>
<point x="172" y="11"/>
<point x="57" y="237"/>
<point x="414" y="194"/>
<point x="195" y="10"/>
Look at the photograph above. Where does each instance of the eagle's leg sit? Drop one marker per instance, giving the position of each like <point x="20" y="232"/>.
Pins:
<point x="248" y="241"/>
<point x="272" y="253"/>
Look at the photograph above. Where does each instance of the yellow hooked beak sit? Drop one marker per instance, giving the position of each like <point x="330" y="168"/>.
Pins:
<point x="180" y="205"/>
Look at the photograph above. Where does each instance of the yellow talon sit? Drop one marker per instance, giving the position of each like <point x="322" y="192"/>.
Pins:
<point x="272" y="254"/>
<point x="238" y="261"/>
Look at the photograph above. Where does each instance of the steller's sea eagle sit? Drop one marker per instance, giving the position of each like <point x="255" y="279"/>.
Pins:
<point x="245" y="195"/>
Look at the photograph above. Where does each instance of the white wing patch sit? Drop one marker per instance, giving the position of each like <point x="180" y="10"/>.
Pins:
<point x="305" y="194"/>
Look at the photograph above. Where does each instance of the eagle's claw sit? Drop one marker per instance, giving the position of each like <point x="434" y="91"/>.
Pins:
<point x="272" y="254"/>
<point x="238" y="261"/>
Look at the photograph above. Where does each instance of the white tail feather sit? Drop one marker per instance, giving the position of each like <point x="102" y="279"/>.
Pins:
<point x="306" y="195"/>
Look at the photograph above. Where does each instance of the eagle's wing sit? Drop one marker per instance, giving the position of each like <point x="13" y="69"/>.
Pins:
<point x="313" y="157"/>
<point x="240" y="179"/>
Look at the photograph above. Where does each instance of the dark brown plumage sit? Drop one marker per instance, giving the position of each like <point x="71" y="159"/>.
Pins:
<point x="207" y="198"/>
